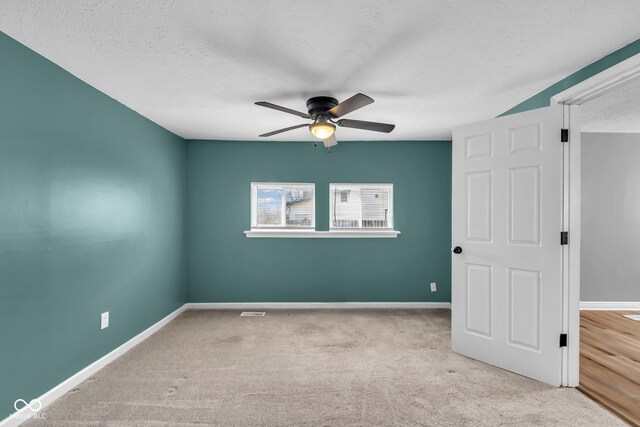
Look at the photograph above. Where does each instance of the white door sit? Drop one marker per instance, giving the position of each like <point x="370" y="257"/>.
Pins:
<point x="507" y="219"/>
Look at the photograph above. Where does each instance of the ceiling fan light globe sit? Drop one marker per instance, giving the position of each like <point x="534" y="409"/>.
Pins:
<point x="322" y="130"/>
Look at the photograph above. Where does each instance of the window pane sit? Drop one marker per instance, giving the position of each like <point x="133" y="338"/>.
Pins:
<point x="346" y="207"/>
<point x="299" y="205"/>
<point x="361" y="205"/>
<point x="375" y="207"/>
<point x="269" y="206"/>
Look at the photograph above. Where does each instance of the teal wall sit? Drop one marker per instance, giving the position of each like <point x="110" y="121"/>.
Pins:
<point x="92" y="199"/>
<point x="542" y="99"/>
<point x="225" y="266"/>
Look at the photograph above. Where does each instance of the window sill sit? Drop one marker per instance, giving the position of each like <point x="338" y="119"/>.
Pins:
<point x="313" y="234"/>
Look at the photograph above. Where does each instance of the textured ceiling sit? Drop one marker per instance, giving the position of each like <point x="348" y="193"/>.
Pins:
<point x="617" y="110"/>
<point x="196" y="67"/>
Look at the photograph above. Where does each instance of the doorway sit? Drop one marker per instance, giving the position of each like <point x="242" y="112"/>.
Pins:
<point x="479" y="301"/>
<point x="604" y="198"/>
<point x="610" y="244"/>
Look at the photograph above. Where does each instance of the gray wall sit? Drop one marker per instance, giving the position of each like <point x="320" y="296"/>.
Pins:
<point x="610" y="266"/>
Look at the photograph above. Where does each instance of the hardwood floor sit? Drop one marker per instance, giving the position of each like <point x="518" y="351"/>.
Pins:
<point x="610" y="361"/>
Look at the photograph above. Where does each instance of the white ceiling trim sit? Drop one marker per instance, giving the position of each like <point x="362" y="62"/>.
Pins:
<point x="603" y="82"/>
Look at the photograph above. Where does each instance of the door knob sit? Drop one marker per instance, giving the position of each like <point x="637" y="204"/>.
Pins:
<point x="457" y="250"/>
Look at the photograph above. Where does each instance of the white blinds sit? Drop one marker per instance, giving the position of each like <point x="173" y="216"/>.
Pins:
<point x="361" y="205"/>
<point x="375" y="207"/>
<point x="299" y="207"/>
<point x="282" y="205"/>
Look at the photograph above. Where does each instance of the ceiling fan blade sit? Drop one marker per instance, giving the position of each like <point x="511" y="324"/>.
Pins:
<point x="358" y="100"/>
<point x="283" y="109"/>
<point x="360" y="124"/>
<point x="331" y="141"/>
<point x="284" y="130"/>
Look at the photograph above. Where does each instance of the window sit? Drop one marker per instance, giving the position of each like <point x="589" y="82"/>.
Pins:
<point x="282" y="205"/>
<point x="361" y="206"/>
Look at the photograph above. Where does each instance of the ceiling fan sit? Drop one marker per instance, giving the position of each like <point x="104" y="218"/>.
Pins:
<point x="323" y="110"/>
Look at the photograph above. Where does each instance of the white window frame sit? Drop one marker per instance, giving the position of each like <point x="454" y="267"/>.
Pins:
<point x="360" y="187"/>
<point x="283" y="224"/>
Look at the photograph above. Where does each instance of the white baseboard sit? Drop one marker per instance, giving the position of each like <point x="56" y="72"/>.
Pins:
<point x="70" y="383"/>
<point x="310" y="305"/>
<point x="609" y="305"/>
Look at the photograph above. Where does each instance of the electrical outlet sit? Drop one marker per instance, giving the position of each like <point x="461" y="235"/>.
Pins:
<point x="433" y="287"/>
<point x="104" y="320"/>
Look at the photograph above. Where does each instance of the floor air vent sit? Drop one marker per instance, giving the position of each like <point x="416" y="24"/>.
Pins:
<point x="252" y="313"/>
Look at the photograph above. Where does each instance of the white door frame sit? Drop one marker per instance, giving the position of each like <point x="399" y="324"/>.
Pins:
<point x="572" y="98"/>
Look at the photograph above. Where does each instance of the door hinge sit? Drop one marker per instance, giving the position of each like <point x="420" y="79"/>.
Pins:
<point x="563" y="340"/>
<point x="564" y="237"/>
<point x="564" y="135"/>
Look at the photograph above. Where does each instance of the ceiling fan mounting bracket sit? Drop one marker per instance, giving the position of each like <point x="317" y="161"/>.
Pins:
<point x="319" y="105"/>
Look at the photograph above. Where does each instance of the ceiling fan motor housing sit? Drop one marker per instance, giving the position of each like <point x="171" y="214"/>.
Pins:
<point x="319" y="105"/>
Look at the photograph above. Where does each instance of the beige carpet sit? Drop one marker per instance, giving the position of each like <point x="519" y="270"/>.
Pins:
<point x="313" y="368"/>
